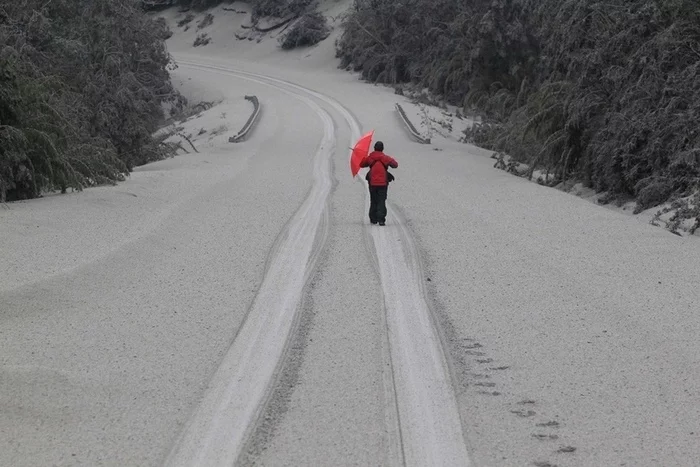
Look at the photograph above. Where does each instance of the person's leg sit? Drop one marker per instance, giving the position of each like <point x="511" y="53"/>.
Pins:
<point x="373" y="204"/>
<point x="380" y="213"/>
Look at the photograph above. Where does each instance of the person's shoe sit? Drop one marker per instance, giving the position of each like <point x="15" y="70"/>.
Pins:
<point x="373" y="222"/>
<point x="382" y="223"/>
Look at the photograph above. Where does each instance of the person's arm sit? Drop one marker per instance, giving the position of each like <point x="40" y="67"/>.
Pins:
<point x="364" y="162"/>
<point x="391" y="162"/>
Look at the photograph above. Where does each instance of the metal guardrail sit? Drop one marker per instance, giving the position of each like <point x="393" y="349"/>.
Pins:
<point x="411" y="129"/>
<point x="249" y="124"/>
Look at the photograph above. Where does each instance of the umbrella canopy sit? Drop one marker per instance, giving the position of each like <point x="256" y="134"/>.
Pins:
<point x="360" y="151"/>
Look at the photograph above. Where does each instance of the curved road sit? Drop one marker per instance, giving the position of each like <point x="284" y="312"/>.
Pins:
<point x="234" y="306"/>
<point x="431" y="432"/>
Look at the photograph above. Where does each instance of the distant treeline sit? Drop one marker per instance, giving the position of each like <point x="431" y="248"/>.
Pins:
<point x="308" y="28"/>
<point x="261" y="8"/>
<point x="604" y="92"/>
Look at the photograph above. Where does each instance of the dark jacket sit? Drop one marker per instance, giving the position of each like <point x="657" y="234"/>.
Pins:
<point x="378" y="162"/>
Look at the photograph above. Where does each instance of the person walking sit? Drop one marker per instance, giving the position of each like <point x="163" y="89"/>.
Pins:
<point x="378" y="178"/>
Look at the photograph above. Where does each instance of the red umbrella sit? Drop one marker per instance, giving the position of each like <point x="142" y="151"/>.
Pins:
<point x="360" y="151"/>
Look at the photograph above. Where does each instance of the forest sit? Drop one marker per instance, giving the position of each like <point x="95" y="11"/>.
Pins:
<point x="83" y="85"/>
<point x="606" y="93"/>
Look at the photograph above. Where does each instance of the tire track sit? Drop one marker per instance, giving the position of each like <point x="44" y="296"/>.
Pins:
<point x="217" y="431"/>
<point x="429" y="424"/>
<point x="430" y="429"/>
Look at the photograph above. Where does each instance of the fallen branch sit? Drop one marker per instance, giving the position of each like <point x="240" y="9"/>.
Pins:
<point x="179" y="145"/>
<point x="189" y="141"/>
<point x="275" y="26"/>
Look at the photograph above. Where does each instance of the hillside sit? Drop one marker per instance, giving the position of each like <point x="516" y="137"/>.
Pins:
<point x="602" y="93"/>
<point x="582" y="94"/>
<point x="83" y="85"/>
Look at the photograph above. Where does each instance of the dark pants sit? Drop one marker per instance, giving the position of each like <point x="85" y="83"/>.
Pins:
<point x="377" y="203"/>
